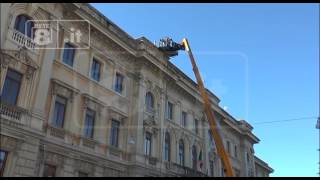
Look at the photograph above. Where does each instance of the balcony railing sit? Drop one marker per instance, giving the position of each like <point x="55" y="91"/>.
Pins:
<point x="13" y="113"/>
<point x="185" y="171"/>
<point x="21" y="39"/>
<point x="89" y="143"/>
<point x="114" y="151"/>
<point x="83" y="143"/>
<point x="56" y="132"/>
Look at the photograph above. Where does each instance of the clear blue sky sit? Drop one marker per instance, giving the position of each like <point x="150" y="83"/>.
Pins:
<point x="262" y="60"/>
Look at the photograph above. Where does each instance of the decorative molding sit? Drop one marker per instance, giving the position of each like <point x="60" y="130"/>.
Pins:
<point x="20" y="56"/>
<point x="83" y="166"/>
<point x="147" y="127"/>
<point x="9" y="143"/>
<point x="93" y="103"/>
<point x="117" y="114"/>
<point x="63" y="89"/>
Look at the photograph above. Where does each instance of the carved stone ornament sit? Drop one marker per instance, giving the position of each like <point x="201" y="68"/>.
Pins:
<point x="15" y="57"/>
<point x="60" y="88"/>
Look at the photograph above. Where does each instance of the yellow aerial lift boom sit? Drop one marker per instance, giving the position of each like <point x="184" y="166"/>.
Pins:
<point x="171" y="48"/>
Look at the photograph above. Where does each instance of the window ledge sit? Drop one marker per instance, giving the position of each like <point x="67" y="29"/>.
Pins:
<point x="85" y="77"/>
<point x="57" y="132"/>
<point x="115" y="151"/>
<point x="88" y="142"/>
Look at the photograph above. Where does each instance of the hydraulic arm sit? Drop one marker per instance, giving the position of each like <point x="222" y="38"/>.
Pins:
<point x="171" y="49"/>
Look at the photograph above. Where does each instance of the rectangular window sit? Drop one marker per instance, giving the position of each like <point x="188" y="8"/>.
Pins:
<point x="228" y="147"/>
<point x="114" y="133"/>
<point x="237" y="172"/>
<point x="68" y="54"/>
<point x="184" y="119"/>
<point x="89" y="123"/>
<point x="59" y="112"/>
<point x="82" y="174"/>
<point x="95" y="70"/>
<point x="169" y="110"/>
<point x="222" y="172"/>
<point x="119" y="83"/>
<point x="11" y="87"/>
<point x="3" y="159"/>
<point x="49" y="170"/>
<point x="235" y="151"/>
<point x="24" y="25"/>
<point x="147" y="144"/>
<point x="196" y="126"/>
<point x="211" y="168"/>
<point x="211" y="140"/>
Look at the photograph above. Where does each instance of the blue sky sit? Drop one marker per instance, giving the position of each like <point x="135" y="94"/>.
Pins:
<point x="262" y="60"/>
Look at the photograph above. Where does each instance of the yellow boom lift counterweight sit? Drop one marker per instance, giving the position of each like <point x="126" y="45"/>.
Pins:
<point x="171" y="48"/>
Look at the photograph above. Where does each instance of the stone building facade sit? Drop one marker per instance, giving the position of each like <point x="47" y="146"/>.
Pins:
<point x="117" y="108"/>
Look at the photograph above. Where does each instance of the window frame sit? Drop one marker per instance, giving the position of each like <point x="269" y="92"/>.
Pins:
<point x="61" y="101"/>
<point x="167" y="147"/>
<point x="181" y="153"/>
<point x="211" y="167"/>
<point x="148" y="144"/>
<point x="149" y="101"/>
<point x="119" y="88"/>
<point x="85" y="128"/>
<point x="194" y="157"/>
<point x="83" y="173"/>
<point x="72" y="48"/>
<point x="95" y="61"/>
<point x="10" y="78"/>
<point x="235" y="151"/>
<point x="184" y="118"/>
<point x="169" y="111"/>
<point x="114" y="124"/>
<point x="196" y="126"/>
<point x="4" y="161"/>
<point x="49" y="166"/>
<point x="228" y="147"/>
<point x="23" y="30"/>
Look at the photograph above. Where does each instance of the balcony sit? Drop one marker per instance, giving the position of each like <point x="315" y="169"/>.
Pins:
<point x="21" y="39"/>
<point x="71" y="138"/>
<point x="149" y="160"/>
<point x="88" y="143"/>
<point x="56" y="132"/>
<point x="14" y="115"/>
<point x="115" y="152"/>
<point x="183" y="170"/>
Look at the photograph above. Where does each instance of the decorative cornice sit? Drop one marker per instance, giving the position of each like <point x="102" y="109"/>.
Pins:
<point x="18" y="56"/>
<point x="59" y="87"/>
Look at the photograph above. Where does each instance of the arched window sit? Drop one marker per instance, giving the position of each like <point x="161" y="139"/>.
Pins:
<point x="167" y="147"/>
<point x="149" y="101"/>
<point x="181" y="152"/>
<point x="194" y="157"/>
<point x="23" y="24"/>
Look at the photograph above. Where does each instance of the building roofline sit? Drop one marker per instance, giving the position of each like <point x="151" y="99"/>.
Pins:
<point x="133" y="39"/>
<point x="120" y="30"/>
<point x="122" y="34"/>
<point x="263" y="164"/>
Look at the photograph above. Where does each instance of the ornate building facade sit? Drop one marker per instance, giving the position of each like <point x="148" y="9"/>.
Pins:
<point x="116" y="108"/>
